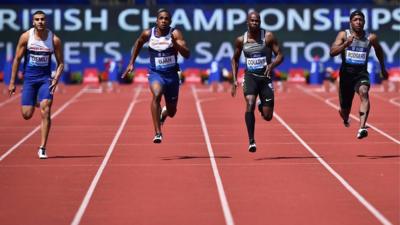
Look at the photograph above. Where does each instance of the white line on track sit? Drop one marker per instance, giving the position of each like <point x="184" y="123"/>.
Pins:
<point x="391" y="100"/>
<point x="357" y="195"/>
<point x="10" y="99"/>
<point x="328" y="102"/>
<point x="218" y="180"/>
<point x="89" y="193"/>
<point x="62" y="108"/>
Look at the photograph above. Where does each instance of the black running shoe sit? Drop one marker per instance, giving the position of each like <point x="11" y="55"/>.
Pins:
<point x="362" y="133"/>
<point x="252" y="146"/>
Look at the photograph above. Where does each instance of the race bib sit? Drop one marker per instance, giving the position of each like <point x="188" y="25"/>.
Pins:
<point x="356" y="57"/>
<point x="39" y="60"/>
<point x="256" y="63"/>
<point x="165" y="62"/>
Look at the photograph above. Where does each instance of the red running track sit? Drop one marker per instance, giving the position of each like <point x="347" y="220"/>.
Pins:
<point x="104" y="169"/>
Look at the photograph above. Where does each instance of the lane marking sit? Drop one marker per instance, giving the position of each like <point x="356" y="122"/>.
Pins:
<point x="357" y="195"/>
<point x="10" y="99"/>
<point x="221" y="193"/>
<point x="62" y="108"/>
<point x="92" y="187"/>
<point x="328" y="102"/>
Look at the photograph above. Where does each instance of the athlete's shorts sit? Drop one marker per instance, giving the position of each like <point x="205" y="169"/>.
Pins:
<point x="169" y="83"/>
<point x="349" y="84"/>
<point x="261" y="86"/>
<point x="35" y="90"/>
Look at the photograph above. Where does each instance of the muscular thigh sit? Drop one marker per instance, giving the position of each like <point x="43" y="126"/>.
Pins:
<point x="266" y="92"/>
<point x="171" y="89"/>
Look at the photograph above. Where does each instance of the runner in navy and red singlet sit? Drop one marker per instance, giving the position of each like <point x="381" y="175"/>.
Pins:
<point x="354" y="45"/>
<point x="165" y="42"/>
<point x="258" y="46"/>
<point x="36" y="46"/>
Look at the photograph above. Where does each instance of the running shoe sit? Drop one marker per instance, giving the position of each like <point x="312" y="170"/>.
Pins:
<point x="252" y="147"/>
<point x="163" y="118"/>
<point x="42" y="153"/>
<point x="157" y="138"/>
<point x="362" y="133"/>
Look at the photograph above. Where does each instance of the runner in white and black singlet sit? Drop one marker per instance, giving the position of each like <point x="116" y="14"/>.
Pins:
<point x="258" y="46"/>
<point x="165" y="42"/>
<point x="354" y="45"/>
<point x="37" y="45"/>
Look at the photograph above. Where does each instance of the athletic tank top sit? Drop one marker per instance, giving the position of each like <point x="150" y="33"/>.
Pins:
<point x="163" y="56"/>
<point x="38" y="53"/>
<point x="257" y="54"/>
<point x="355" y="57"/>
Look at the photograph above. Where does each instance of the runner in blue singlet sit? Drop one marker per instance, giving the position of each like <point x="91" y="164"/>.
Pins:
<point x="165" y="43"/>
<point x="37" y="45"/>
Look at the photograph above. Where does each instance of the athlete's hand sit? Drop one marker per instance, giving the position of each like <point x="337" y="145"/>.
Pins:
<point x="128" y="70"/>
<point x="53" y="86"/>
<point x="11" y="89"/>
<point x="233" y="89"/>
<point x="349" y="40"/>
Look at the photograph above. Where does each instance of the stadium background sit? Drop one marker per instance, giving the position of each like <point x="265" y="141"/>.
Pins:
<point x="94" y="32"/>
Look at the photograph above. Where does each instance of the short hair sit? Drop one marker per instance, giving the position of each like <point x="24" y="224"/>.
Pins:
<point x="163" y="10"/>
<point x="357" y="13"/>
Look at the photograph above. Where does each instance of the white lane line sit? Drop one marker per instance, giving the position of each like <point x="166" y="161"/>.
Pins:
<point x="394" y="101"/>
<point x="357" y="195"/>
<point x="89" y="193"/>
<point x="328" y="102"/>
<point x="10" y="99"/>
<point x="391" y="100"/>
<point x="218" y="180"/>
<point x="62" y="108"/>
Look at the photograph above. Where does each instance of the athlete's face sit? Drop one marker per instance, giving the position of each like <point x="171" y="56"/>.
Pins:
<point x="357" y="23"/>
<point x="163" y="20"/>
<point x="39" y="21"/>
<point x="253" y="22"/>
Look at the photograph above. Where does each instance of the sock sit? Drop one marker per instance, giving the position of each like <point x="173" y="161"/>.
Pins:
<point x="250" y="122"/>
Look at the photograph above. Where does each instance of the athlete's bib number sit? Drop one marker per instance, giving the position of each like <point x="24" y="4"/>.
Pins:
<point x="256" y="63"/>
<point x="354" y="57"/>
<point x="165" y="62"/>
<point x="39" y="60"/>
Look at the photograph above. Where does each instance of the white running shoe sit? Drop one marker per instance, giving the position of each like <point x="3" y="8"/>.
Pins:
<point x="362" y="133"/>
<point x="42" y="153"/>
<point x="162" y="119"/>
<point x="157" y="138"/>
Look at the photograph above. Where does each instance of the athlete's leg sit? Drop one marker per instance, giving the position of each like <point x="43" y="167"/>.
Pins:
<point x="171" y="94"/>
<point x="365" y="104"/>
<point x="267" y="100"/>
<point x="45" y="110"/>
<point x="28" y="99"/>
<point x="157" y="91"/>
<point x="346" y="95"/>
<point x="249" y="115"/>
<point x="27" y="111"/>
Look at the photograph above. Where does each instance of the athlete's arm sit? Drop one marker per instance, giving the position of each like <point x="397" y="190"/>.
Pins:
<point x="180" y="43"/>
<point x="235" y="62"/>
<point x="58" y="53"/>
<point x="379" y="54"/>
<point x="19" y="53"/>
<point x="340" y="43"/>
<point x="272" y="41"/>
<point x="143" y="38"/>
